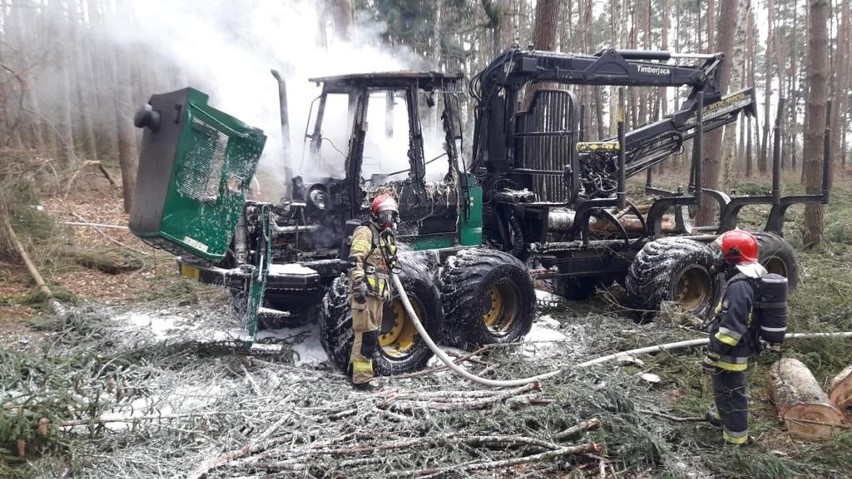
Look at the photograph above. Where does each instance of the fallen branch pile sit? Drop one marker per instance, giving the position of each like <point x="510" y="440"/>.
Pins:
<point x="204" y="410"/>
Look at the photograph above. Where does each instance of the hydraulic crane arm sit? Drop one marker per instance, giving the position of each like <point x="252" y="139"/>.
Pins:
<point x="499" y="88"/>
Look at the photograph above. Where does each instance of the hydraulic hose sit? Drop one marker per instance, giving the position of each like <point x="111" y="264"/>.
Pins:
<point x="447" y="360"/>
<point x="520" y="382"/>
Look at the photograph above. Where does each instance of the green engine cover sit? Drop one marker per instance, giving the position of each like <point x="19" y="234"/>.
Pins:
<point x="195" y="166"/>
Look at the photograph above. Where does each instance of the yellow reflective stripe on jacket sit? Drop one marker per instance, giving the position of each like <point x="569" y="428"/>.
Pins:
<point x="361" y="245"/>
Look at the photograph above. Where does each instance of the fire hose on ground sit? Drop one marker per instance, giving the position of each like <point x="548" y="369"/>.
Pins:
<point x="520" y="382"/>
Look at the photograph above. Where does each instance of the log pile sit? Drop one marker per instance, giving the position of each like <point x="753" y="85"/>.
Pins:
<point x="803" y="406"/>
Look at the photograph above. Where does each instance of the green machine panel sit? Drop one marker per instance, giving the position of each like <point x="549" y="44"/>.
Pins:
<point x="195" y="167"/>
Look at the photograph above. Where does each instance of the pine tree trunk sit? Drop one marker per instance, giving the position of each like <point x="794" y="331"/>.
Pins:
<point x="62" y="127"/>
<point x="544" y="38"/>
<point x="711" y="156"/>
<point x="736" y="82"/>
<point x="127" y="159"/>
<point x="817" y="81"/>
<point x="506" y="27"/>
<point x="343" y="14"/>
<point x="841" y="86"/>
<point x="616" y="25"/>
<point x="802" y="404"/>
<point x="83" y="84"/>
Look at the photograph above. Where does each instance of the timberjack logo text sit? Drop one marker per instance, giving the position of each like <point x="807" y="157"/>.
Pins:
<point x="654" y="70"/>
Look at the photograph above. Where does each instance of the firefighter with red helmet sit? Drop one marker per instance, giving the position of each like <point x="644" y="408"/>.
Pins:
<point x="733" y="336"/>
<point x="372" y="256"/>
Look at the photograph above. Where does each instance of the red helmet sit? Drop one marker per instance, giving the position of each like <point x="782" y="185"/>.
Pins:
<point x="385" y="210"/>
<point x="739" y="247"/>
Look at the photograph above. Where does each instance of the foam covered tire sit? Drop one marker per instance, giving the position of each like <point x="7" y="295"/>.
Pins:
<point x="401" y="349"/>
<point x="777" y="256"/>
<point x="674" y="269"/>
<point x="488" y="298"/>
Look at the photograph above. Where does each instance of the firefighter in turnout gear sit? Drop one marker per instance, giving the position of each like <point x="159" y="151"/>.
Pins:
<point x="734" y="337"/>
<point x="372" y="255"/>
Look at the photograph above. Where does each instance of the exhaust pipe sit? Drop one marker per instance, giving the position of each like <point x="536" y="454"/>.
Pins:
<point x="285" y="135"/>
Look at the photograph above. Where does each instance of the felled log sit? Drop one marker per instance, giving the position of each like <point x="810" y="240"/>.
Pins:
<point x="840" y="392"/>
<point x="802" y="404"/>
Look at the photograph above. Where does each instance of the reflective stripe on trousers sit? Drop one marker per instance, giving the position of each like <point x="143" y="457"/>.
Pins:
<point x="366" y="319"/>
<point x="731" y="397"/>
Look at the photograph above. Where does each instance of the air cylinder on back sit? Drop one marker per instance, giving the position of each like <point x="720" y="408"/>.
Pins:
<point x="772" y="308"/>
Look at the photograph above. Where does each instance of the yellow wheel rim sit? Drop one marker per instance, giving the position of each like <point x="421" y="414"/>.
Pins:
<point x="398" y="335"/>
<point x="502" y="307"/>
<point x="693" y="289"/>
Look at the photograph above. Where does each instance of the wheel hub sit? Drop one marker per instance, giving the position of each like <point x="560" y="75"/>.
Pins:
<point x="502" y="307"/>
<point x="693" y="288"/>
<point x="398" y="336"/>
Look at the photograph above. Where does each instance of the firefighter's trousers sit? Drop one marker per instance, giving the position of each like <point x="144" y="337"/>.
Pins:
<point x="731" y="397"/>
<point x="366" y="320"/>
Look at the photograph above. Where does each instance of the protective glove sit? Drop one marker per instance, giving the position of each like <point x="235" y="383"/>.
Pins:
<point x="708" y="365"/>
<point x="359" y="292"/>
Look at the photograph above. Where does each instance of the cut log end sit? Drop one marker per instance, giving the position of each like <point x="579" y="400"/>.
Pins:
<point x="803" y="406"/>
<point x="813" y="421"/>
<point x="840" y="392"/>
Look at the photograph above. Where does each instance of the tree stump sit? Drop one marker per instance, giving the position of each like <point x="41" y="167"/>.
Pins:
<point x="840" y="392"/>
<point x="802" y="404"/>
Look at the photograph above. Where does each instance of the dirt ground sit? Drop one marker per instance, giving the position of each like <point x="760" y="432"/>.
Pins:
<point x="91" y="200"/>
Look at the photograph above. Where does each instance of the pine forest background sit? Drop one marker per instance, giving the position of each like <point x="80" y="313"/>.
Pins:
<point x="72" y="72"/>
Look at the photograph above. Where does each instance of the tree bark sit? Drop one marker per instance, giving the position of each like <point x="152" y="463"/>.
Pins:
<point x="122" y="96"/>
<point x="737" y="69"/>
<point x="544" y="31"/>
<point x="841" y="85"/>
<point x="63" y="132"/>
<point x="83" y="82"/>
<point x="840" y="392"/>
<point x="817" y="75"/>
<point x="712" y="153"/>
<point x="343" y="15"/>
<point x="544" y="38"/>
<point x="802" y="404"/>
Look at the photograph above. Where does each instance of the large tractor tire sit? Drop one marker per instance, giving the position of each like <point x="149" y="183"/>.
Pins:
<point x="674" y="269"/>
<point x="488" y="298"/>
<point x="401" y="349"/>
<point x="777" y="256"/>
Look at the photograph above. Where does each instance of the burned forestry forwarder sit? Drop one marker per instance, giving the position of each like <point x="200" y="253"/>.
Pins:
<point x="534" y="199"/>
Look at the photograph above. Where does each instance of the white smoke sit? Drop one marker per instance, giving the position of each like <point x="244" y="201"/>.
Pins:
<point x="227" y="49"/>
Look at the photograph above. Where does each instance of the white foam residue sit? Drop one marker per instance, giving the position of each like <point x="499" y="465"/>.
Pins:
<point x="290" y="268"/>
<point x="544" y="339"/>
<point x="162" y="327"/>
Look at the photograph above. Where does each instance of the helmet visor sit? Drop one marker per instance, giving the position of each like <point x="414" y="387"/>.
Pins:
<point x="387" y="218"/>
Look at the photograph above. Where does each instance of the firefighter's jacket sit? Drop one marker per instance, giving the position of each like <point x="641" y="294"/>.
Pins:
<point x="369" y="255"/>
<point x="733" y="334"/>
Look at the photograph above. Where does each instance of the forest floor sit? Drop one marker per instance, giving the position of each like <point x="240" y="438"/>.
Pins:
<point x="142" y="377"/>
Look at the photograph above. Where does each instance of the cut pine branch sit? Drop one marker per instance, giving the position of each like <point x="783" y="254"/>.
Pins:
<point x="802" y="404"/>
